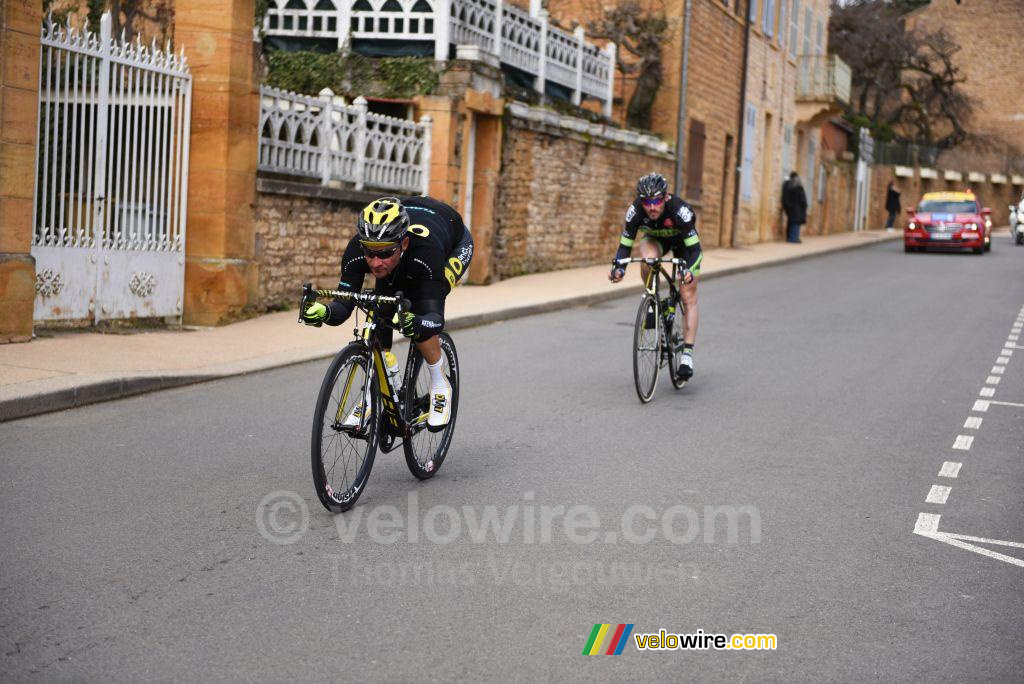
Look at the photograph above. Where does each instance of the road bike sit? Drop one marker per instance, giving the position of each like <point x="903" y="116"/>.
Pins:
<point x="390" y="412"/>
<point x="658" y="332"/>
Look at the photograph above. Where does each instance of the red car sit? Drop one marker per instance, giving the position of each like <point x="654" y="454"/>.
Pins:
<point x="948" y="220"/>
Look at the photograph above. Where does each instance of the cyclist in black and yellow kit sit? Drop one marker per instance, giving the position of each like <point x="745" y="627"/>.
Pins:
<point x="668" y="223"/>
<point x="418" y="246"/>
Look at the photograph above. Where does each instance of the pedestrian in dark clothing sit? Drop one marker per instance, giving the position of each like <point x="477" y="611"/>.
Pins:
<point x="794" y="202"/>
<point x="892" y="204"/>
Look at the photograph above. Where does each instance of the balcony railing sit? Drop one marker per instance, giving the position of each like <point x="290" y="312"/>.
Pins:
<point x="822" y="78"/>
<point x="520" y="39"/>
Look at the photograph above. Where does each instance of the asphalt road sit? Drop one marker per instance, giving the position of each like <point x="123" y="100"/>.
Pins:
<point x="778" y="493"/>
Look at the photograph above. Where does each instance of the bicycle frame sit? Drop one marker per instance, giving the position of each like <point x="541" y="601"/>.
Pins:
<point x="368" y="302"/>
<point x="656" y="270"/>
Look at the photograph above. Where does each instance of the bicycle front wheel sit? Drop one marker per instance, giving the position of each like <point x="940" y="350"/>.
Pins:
<point x="345" y="429"/>
<point x="647" y="348"/>
<point x="675" y="344"/>
<point x="425" y="450"/>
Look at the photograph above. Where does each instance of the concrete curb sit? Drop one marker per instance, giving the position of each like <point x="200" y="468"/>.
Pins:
<point x="80" y="392"/>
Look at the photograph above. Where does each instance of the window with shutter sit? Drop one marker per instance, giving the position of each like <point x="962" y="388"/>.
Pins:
<point x="768" y="18"/>
<point x="749" y="146"/>
<point x="794" y="27"/>
<point x="695" y="161"/>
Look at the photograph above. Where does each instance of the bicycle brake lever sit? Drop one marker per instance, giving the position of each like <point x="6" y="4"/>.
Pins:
<point x="307" y="290"/>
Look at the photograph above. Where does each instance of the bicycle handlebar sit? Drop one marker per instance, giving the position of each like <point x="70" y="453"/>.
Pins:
<point x="649" y="261"/>
<point x="364" y="300"/>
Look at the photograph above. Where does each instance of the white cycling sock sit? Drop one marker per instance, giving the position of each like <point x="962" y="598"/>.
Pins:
<point x="436" y="370"/>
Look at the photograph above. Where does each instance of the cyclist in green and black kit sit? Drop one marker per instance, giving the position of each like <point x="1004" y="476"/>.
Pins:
<point x="668" y="223"/>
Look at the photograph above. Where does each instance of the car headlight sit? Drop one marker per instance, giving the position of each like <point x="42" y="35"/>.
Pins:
<point x="971" y="226"/>
<point x="912" y="226"/>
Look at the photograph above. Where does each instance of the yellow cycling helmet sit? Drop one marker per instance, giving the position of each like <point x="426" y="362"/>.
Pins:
<point x="383" y="221"/>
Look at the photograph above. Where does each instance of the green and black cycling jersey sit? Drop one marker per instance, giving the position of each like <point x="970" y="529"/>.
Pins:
<point x="439" y="252"/>
<point x="675" y="230"/>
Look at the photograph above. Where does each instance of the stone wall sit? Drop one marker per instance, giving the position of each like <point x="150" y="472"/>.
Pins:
<point x="715" y="71"/>
<point x="300" y="238"/>
<point x="562" y="196"/>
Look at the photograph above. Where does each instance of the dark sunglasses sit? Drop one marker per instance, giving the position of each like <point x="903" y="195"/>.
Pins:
<point x="652" y="201"/>
<point x="380" y="253"/>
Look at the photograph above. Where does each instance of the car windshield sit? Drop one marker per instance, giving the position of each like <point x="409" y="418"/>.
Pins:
<point x="948" y="207"/>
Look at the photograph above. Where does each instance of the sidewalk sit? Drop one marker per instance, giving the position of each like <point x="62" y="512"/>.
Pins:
<point x="76" y="368"/>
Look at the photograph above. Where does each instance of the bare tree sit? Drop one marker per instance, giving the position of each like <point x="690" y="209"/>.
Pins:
<point x="639" y="30"/>
<point x="904" y="80"/>
<point x="933" y="105"/>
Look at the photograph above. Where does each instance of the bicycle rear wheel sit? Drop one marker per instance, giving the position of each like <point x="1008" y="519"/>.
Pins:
<point x="342" y="455"/>
<point x="646" y="348"/>
<point x="425" y="450"/>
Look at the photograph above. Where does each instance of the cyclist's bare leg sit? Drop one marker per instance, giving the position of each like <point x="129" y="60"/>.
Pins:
<point x="688" y="293"/>
<point x="430" y="348"/>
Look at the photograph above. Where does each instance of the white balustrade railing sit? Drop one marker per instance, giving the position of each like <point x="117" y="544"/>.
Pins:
<point x="823" y="77"/>
<point x="521" y="39"/>
<point x="323" y="138"/>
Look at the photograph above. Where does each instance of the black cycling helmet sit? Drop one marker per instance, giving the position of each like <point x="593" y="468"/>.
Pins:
<point x="651" y="185"/>
<point x="383" y="222"/>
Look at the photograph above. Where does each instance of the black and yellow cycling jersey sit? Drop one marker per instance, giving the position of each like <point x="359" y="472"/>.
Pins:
<point x="675" y="229"/>
<point x="438" y="256"/>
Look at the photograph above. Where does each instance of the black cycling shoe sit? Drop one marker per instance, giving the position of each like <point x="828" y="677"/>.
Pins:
<point x="685" y="371"/>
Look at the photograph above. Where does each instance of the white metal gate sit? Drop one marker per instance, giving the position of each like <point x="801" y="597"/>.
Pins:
<point x="111" y="177"/>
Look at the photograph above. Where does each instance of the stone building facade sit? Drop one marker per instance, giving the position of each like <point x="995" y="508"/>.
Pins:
<point x="779" y="132"/>
<point x="988" y="33"/>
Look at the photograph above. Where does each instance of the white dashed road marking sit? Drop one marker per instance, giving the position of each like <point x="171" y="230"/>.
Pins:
<point x="927" y="524"/>
<point x="963" y="442"/>
<point x="950" y="469"/>
<point x="938" y="494"/>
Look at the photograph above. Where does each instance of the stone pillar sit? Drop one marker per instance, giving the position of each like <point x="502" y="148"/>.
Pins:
<point x="220" y="274"/>
<point x="20" y="21"/>
<point x="486" y="111"/>
<point x="467" y="126"/>
<point x="444" y="163"/>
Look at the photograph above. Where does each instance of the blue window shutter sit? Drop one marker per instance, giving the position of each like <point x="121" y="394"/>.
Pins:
<point x="749" y="146"/>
